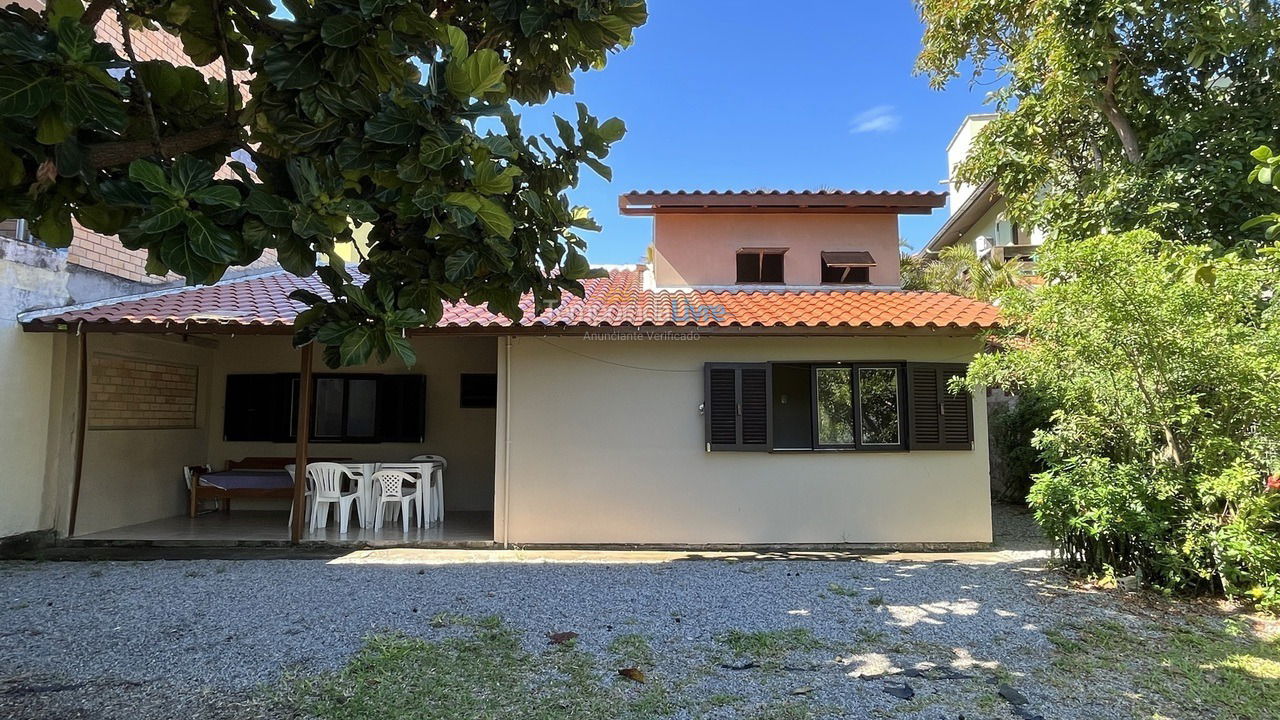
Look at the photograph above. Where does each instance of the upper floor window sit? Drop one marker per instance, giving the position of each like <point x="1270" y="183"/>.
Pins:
<point x="760" y="265"/>
<point x="847" y="268"/>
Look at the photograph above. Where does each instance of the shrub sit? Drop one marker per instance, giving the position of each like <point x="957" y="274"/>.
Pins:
<point x="1162" y="365"/>
<point x="1013" y="458"/>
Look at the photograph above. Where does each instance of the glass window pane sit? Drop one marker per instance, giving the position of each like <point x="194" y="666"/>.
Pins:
<point x="835" y="407"/>
<point x="362" y="401"/>
<point x="328" y="407"/>
<point x="771" y="268"/>
<point x="748" y="267"/>
<point x="878" y="403"/>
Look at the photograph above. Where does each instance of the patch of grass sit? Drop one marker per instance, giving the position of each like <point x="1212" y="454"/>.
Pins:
<point x="842" y="591"/>
<point x="632" y="648"/>
<point x="770" y="644"/>
<point x="1206" y="668"/>
<point x="876" y="600"/>
<point x="717" y="700"/>
<point x="483" y="674"/>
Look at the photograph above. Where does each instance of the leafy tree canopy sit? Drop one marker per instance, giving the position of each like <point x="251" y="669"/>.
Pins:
<point x="1118" y="114"/>
<point x="391" y="114"/>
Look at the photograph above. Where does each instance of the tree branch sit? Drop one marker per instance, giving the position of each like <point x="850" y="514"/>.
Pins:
<point x="116" y="154"/>
<point x="1119" y="121"/>
<point x="127" y="40"/>
<point x="94" y="11"/>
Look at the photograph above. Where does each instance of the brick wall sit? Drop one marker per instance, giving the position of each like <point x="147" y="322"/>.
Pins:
<point x="105" y="253"/>
<point x="130" y="393"/>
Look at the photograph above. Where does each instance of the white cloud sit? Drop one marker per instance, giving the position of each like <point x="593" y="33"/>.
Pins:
<point x="878" y="119"/>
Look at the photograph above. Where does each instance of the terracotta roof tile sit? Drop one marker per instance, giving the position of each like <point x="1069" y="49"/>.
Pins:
<point x="619" y="300"/>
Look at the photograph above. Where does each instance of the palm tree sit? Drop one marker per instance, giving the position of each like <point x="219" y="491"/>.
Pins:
<point x="960" y="271"/>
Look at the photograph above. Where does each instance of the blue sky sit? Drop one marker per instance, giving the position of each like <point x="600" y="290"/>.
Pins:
<point x="721" y="94"/>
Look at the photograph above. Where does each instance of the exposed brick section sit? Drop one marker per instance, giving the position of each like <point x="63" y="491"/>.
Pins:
<point x="131" y="393"/>
<point x="619" y="300"/>
<point x="105" y="253"/>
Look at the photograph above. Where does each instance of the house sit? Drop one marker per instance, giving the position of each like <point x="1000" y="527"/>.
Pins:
<point x="762" y="380"/>
<point x="977" y="213"/>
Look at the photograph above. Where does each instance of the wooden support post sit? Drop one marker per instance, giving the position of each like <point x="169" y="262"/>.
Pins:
<point x="304" y="432"/>
<point x="82" y="424"/>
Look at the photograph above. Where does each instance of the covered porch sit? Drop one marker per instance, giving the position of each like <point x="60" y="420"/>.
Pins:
<point x="139" y="402"/>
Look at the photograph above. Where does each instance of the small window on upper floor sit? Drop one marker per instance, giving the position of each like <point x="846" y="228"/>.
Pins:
<point x="760" y="265"/>
<point x="847" y="268"/>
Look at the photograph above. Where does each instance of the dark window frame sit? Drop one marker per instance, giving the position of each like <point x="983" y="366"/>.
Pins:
<point x="947" y="427"/>
<point x="760" y="253"/>
<point x="855" y="405"/>
<point x="417" y="428"/>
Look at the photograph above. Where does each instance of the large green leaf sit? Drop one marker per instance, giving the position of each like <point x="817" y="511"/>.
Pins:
<point x="342" y="30"/>
<point x="475" y="75"/>
<point x="23" y="94"/>
<point x="493" y="179"/>
<point x="95" y="104"/>
<point x="150" y="176"/>
<point x="357" y="346"/>
<point x="393" y="126"/>
<point x="293" y="70"/>
<point x="221" y="195"/>
<point x="210" y="241"/>
<point x="273" y="209"/>
<point x="461" y="264"/>
<point x="181" y="257"/>
<point x="495" y="218"/>
<point x="162" y="220"/>
<point x="191" y="174"/>
<point x="54" y="229"/>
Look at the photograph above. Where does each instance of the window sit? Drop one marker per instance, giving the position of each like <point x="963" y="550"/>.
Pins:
<point x="345" y="408"/>
<point x="736" y="407"/>
<point x="864" y="406"/>
<point x="760" y="265"/>
<point x="478" y="390"/>
<point x="858" y="407"/>
<point x="847" y="268"/>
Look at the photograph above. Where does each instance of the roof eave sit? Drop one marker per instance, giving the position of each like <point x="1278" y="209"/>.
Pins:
<point x="983" y="198"/>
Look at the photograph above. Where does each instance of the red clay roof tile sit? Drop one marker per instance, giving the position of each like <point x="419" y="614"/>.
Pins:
<point x="619" y="300"/>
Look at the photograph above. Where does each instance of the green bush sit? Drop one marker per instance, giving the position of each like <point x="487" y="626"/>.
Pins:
<point x="1014" y="461"/>
<point x="1162" y="366"/>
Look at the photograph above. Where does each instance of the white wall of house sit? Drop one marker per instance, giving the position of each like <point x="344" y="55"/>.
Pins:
<point x="30" y="276"/>
<point x="957" y="151"/>
<point x="605" y="444"/>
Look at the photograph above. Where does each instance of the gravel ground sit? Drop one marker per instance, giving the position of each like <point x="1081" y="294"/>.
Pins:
<point x="200" y="638"/>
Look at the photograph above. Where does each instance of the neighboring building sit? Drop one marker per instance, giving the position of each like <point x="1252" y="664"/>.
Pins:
<point x="763" y="381"/>
<point x="977" y="212"/>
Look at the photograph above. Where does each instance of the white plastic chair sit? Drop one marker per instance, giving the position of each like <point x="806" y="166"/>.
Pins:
<point x="437" y="485"/>
<point x="390" y="487"/>
<point x="326" y="482"/>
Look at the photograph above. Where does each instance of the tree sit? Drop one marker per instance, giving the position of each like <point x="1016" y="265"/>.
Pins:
<point x="1117" y="114"/>
<point x="1163" y="364"/>
<point x="958" y="270"/>
<point x="396" y="114"/>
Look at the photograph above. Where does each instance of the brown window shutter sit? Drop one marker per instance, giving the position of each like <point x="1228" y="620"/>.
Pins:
<point x="938" y="418"/>
<point x="737" y="406"/>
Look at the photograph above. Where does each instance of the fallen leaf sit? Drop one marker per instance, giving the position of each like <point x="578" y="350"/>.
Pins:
<point x="561" y="638"/>
<point x="1013" y="696"/>
<point x="802" y="691"/>
<point x="632" y="674"/>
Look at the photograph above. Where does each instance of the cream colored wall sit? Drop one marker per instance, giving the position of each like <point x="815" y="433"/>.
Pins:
<point x="30" y="276"/>
<point x="463" y="436"/>
<point x="132" y="476"/>
<point x="699" y="250"/>
<point x="604" y="453"/>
